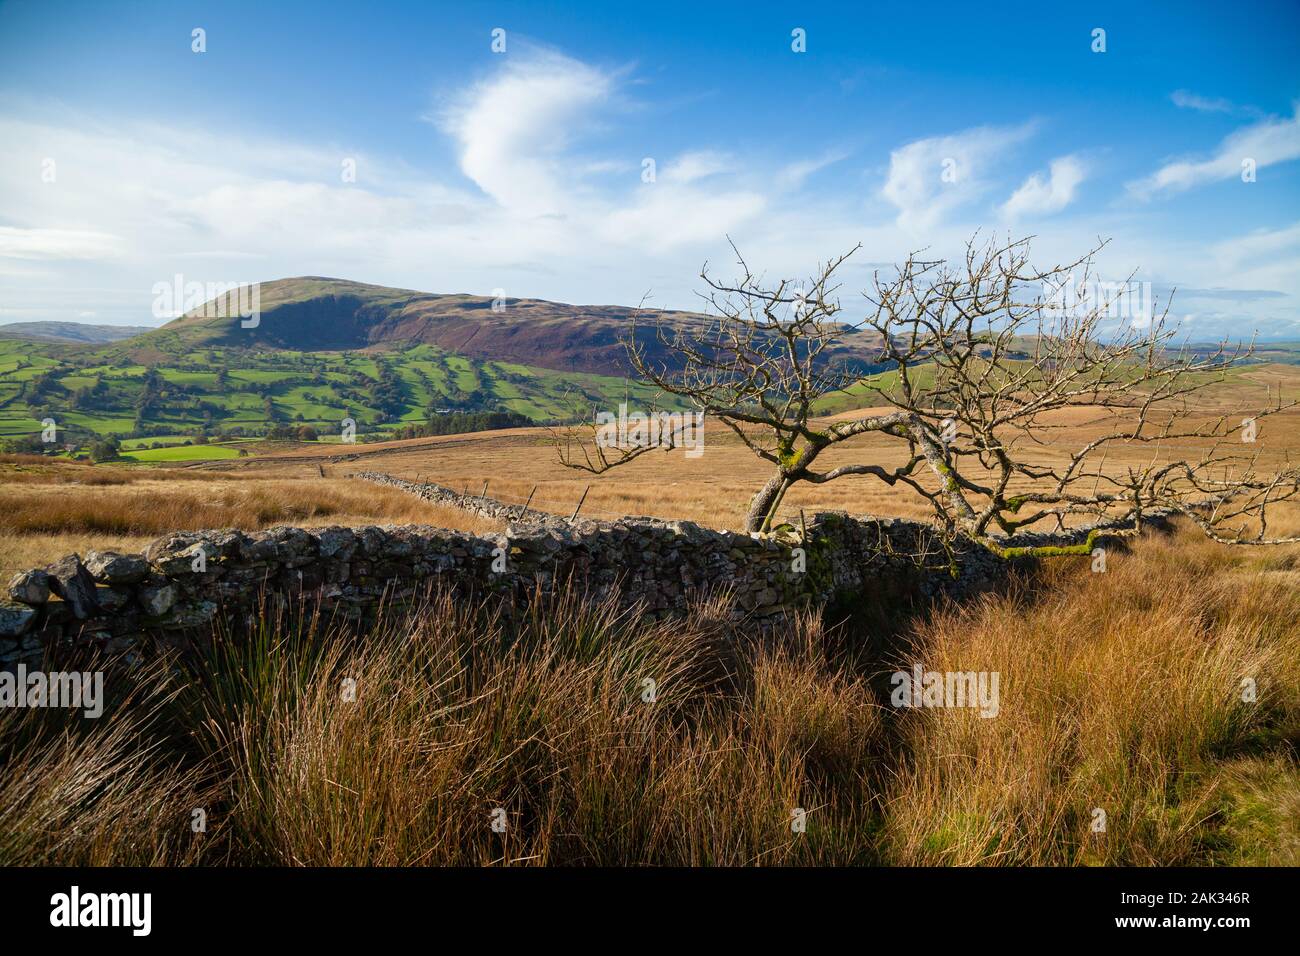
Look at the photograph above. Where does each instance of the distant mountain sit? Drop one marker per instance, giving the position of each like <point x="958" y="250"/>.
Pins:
<point x="71" y="332"/>
<point x="313" y="314"/>
<point x="328" y="350"/>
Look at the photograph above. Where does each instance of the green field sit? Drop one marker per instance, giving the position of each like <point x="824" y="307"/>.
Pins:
<point x="185" y="452"/>
<point x="867" y="391"/>
<point x="227" y="393"/>
<point x="245" y="393"/>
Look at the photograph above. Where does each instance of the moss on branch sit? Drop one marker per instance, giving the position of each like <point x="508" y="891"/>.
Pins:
<point x="1045" y="550"/>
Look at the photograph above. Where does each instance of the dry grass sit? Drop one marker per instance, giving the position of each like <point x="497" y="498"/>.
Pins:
<point x="42" y="522"/>
<point x="105" y="792"/>
<point x="715" y="488"/>
<point x="1119" y="691"/>
<point x="461" y="712"/>
<point x="545" y="725"/>
<point x="39" y="470"/>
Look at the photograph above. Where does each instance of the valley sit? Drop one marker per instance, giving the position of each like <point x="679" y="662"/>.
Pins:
<point x="395" y="362"/>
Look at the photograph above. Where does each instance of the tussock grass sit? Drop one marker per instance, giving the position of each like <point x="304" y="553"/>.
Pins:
<point x="97" y="792"/>
<point x="140" y="510"/>
<point x="547" y="723"/>
<point x="1119" y="691"/>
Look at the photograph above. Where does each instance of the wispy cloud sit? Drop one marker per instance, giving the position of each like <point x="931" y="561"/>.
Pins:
<point x="793" y="175"/>
<point x="931" y="177"/>
<point x="1270" y="141"/>
<point x="1187" y="100"/>
<point x="1038" y="196"/>
<point x="1259" y="245"/>
<point x="1233" y="295"/>
<point x="18" y="243"/>
<point x="512" y="128"/>
<point x="700" y="164"/>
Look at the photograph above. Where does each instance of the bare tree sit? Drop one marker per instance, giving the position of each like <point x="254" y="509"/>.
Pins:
<point x="987" y="372"/>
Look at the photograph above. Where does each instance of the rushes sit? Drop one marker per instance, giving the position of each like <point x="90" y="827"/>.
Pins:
<point x="103" y="792"/>
<point x="546" y="724"/>
<point x="599" y="737"/>
<point x="1121" y="693"/>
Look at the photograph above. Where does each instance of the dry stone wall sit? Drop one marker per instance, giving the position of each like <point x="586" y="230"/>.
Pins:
<point x="472" y="504"/>
<point x="178" y="587"/>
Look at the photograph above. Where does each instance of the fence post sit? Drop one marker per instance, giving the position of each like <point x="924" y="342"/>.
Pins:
<point x="524" y="510"/>
<point x="574" y="516"/>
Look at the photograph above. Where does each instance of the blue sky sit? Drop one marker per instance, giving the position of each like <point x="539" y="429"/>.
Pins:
<point x="126" y="158"/>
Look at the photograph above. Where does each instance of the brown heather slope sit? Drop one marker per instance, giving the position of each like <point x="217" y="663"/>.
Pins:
<point x="312" y="313"/>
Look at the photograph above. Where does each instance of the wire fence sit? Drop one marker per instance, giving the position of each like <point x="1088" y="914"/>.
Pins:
<point x="571" y="509"/>
<point x="561" y="507"/>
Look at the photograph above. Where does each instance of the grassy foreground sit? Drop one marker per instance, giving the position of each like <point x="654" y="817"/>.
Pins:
<point x="1119" y="691"/>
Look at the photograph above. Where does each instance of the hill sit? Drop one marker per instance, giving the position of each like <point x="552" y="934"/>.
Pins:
<point x="319" y="314"/>
<point x="326" y="350"/>
<point x="168" y="396"/>
<point x="313" y="313"/>
<point x="71" y="332"/>
<point x="322" y="351"/>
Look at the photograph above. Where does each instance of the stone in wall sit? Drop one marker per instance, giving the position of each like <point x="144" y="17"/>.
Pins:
<point x="183" y="583"/>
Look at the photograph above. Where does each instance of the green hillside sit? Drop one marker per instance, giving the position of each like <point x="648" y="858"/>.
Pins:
<point x="324" y="350"/>
<point x="246" y="393"/>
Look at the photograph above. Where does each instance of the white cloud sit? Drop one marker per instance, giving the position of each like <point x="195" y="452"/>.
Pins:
<point x="513" y="128"/>
<point x="1273" y="140"/>
<point x="668" y="216"/>
<point x="1262" y="259"/>
<point x="1185" y="99"/>
<point x="516" y="133"/>
<point x="931" y="177"/>
<point x="18" y="243"/>
<point x="1037" y="197"/>
<point x="1258" y="245"/>
<point x="701" y="164"/>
